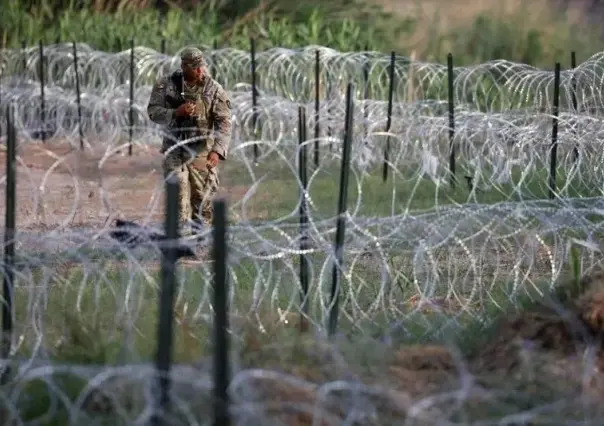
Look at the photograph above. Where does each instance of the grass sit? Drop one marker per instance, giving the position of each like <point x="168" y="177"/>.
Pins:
<point x="535" y="32"/>
<point x="103" y="315"/>
<point x="274" y="189"/>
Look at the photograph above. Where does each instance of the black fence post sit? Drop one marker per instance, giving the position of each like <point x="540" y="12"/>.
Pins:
<point x="366" y="67"/>
<point x="165" y="329"/>
<point x="554" y="146"/>
<point x="450" y="79"/>
<point x="161" y="7"/>
<point x="78" y="94"/>
<point x="9" y="239"/>
<point x="254" y="97"/>
<point x="334" y="303"/>
<point x="222" y="369"/>
<point x="573" y="88"/>
<point x="328" y="99"/>
<point x="302" y="174"/>
<point x="317" y="103"/>
<point x="131" y="109"/>
<point x="42" y="94"/>
<point x="213" y="70"/>
<point x="24" y="58"/>
<point x="389" y="117"/>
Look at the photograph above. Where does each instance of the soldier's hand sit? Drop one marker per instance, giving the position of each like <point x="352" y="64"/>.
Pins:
<point x="186" y="110"/>
<point x="181" y="111"/>
<point x="191" y="109"/>
<point x="213" y="159"/>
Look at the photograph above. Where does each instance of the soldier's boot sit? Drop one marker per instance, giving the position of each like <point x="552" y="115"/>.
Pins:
<point x="184" y="233"/>
<point x="202" y="241"/>
<point x="201" y="227"/>
<point x="203" y="254"/>
<point x="199" y="251"/>
<point x="197" y="229"/>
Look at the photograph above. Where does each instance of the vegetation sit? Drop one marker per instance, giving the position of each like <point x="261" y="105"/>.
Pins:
<point x="534" y="32"/>
<point x="104" y="315"/>
<point x="101" y="313"/>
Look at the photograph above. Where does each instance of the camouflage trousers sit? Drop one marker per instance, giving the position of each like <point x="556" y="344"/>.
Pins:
<point x="198" y="186"/>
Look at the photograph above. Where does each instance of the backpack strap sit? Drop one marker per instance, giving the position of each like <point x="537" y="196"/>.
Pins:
<point x="177" y="79"/>
<point x="211" y="123"/>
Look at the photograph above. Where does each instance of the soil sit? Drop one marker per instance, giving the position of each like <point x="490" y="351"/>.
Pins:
<point x="59" y="185"/>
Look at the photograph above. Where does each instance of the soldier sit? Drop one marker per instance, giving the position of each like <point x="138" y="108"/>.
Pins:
<point x="197" y="113"/>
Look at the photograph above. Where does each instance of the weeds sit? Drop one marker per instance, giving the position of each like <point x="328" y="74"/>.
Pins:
<point x="536" y="32"/>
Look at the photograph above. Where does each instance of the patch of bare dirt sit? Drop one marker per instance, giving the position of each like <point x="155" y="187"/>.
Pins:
<point x="422" y="370"/>
<point x="59" y="185"/>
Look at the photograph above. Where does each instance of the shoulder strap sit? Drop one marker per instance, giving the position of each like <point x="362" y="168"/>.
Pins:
<point x="177" y="80"/>
<point x="212" y="107"/>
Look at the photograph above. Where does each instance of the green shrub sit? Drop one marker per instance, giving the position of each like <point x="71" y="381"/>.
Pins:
<point x="478" y="35"/>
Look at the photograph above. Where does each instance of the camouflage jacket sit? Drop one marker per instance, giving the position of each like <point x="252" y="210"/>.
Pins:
<point x="213" y="125"/>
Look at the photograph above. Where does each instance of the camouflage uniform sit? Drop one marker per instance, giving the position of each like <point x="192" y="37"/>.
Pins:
<point x="209" y="131"/>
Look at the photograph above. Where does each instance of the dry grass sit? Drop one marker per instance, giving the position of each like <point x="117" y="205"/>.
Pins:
<point x="536" y="352"/>
<point x="449" y="16"/>
<point x="460" y="13"/>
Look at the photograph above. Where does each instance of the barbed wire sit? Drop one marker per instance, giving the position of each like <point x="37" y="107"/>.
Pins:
<point x="497" y="85"/>
<point x="421" y="259"/>
<point x="418" y="136"/>
<point x="453" y="262"/>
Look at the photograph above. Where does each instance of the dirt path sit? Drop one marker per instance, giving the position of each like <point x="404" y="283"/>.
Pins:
<point x="58" y="185"/>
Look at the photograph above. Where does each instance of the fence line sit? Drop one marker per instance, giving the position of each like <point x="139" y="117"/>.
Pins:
<point x="451" y="100"/>
<point x="8" y="271"/>
<point x="453" y="144"/>
<point x="169" y="268"/>
<point x="292" y="74"/>
<point x="222" y="368"/>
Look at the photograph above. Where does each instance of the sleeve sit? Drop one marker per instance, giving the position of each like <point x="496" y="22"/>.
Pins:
<point x="222" y="123"/>
<point x="156" y="109"/>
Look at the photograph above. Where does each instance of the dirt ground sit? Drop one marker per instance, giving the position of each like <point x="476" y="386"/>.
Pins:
<point x="62" y="186"/>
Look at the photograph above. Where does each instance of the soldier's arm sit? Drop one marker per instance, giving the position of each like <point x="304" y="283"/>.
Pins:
<point x="222" y="123"/>
<point x="156" y="109"/>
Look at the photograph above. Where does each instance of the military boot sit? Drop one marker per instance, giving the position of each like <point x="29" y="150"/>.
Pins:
<point x="195" y="236"/>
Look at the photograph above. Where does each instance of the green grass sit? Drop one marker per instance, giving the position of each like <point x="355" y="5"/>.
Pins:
<point x="531" y="32"/>
<point x="105" y="314"/>
<point x="278" y="192"/>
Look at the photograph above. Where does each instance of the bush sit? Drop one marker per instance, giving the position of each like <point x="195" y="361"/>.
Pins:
<point x="539" y="35"/>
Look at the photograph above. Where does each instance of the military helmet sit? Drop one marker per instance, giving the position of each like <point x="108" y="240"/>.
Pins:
<point x="192" y="57"/>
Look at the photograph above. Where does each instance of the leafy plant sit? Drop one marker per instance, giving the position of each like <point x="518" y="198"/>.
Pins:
<point x="345" y="25"/>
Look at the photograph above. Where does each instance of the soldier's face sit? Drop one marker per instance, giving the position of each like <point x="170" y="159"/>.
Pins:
<point x="194" y="74"/>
